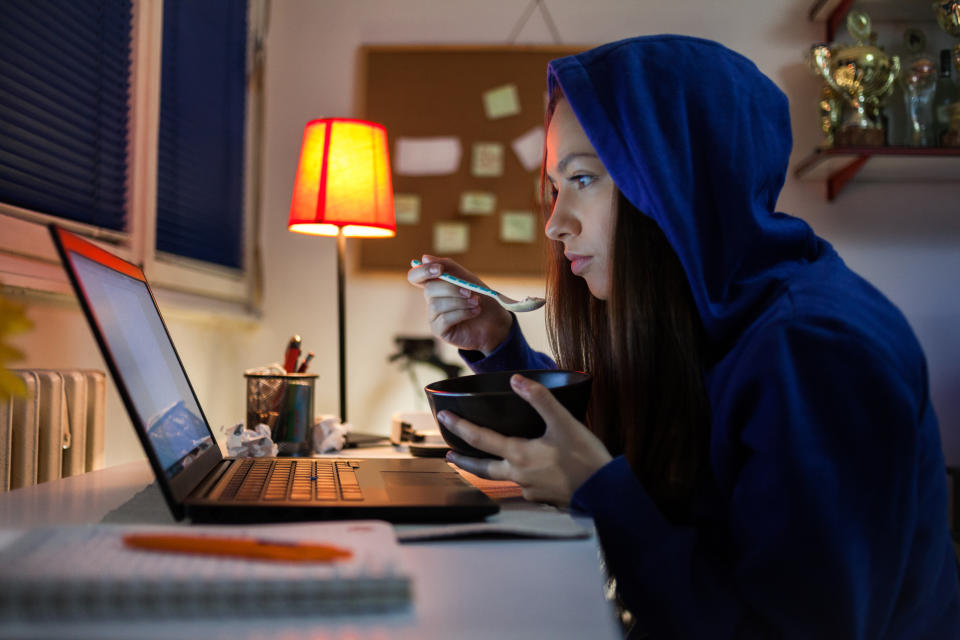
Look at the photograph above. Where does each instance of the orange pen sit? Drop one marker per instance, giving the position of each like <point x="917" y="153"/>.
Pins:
<point x="251" y="548"/>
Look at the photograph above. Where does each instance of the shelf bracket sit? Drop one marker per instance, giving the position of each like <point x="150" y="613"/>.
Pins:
<point x="839" y="179"/>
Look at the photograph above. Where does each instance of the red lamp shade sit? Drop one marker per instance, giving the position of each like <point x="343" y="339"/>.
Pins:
<point x="343" y="181"/>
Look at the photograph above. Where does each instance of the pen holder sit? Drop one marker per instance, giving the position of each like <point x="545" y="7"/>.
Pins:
<point x="285" y="404"/>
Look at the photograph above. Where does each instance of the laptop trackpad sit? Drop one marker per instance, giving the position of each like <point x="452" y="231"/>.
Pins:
<point x="404" y="486"/>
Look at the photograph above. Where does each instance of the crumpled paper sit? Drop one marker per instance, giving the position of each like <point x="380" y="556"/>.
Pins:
<point x="250" y="443"/>
<point x="275" y="369"/>
<point x="328" y="434"/>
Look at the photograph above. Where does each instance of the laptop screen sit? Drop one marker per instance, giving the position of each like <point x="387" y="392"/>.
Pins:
<point x="143" y="353"/>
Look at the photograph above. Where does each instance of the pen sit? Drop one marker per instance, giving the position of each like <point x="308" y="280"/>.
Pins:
<point x="303" y="365"/>
<point x="252" y="548"/>
<point x="291" y="355"/>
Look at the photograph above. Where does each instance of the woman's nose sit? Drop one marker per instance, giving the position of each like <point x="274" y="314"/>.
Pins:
<point x="561" y="223"/>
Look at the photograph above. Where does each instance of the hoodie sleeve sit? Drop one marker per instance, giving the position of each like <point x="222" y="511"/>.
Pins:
<point x="513" y="354"/>
<point x="833" y="485"/>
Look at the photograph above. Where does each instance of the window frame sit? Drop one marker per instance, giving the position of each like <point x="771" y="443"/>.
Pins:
<point x="28" y="260"/>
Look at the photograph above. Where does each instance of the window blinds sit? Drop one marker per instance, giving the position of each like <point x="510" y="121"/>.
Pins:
<point x="64" y="95"/>
<point x="201" y="138"/>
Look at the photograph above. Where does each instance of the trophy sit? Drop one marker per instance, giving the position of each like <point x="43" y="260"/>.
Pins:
<point x="952" y="137"/>
<point x="863" y="75"/>
<point x="918" y="77"/>
<point x="829" y="107"/>
<point x="948" y="17"/>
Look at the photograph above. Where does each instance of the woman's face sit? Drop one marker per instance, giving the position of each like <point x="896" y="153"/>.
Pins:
<point x="584" y="201"/>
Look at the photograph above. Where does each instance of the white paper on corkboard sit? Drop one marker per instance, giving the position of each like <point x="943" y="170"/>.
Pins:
<point x="487" y="160"/>
<point x="436" y="156"/>
<point x="451" y="238"/>
<point x="478" y="203"/>
<point x="406" y="208"/>
<point x="529" y="148"/>
<point x="501" y="102"/>
<point x="518" y="226"/>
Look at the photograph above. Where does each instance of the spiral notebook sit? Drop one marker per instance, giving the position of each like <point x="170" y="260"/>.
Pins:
<point x="87" y="573"/>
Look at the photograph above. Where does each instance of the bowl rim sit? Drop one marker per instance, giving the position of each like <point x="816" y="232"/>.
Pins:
<point x="584" y="378"/>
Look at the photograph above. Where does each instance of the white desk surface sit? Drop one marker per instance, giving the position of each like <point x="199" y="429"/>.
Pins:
<point x="463" y="589"/>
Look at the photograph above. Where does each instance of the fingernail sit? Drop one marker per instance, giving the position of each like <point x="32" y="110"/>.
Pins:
<point x="473" y="301"/>
<point x="443" y="417"/>
<point x="434" y="269"/>
<point x="466" y="293"/>
<point x="518" y="382"/>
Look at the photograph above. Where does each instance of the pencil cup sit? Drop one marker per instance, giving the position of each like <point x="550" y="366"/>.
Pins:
<point x="285" y="404"/>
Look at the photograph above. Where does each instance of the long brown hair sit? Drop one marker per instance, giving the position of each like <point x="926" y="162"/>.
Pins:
<point x="644" y="348"/>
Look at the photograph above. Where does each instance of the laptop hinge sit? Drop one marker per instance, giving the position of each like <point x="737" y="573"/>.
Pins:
<point x="210" y="481"/>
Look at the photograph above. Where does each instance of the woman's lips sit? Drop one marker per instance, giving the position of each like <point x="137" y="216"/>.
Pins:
<point x="577" y="263"/>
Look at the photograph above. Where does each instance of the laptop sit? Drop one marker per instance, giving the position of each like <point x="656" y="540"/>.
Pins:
<point x="197" y="481"/>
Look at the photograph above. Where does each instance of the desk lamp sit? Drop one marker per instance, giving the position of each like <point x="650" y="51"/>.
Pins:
<point x="343" y="189"/>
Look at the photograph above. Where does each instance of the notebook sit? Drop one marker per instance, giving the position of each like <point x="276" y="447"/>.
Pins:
<point x="78" y="573"/>
<point x="197" y="481"/>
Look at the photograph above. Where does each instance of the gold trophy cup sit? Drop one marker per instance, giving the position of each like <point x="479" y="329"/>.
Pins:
<point x="952" y="137"/>
<point x="948" y="17"/>
<point x="863" y="75"/>
<point x="829" y="108"/>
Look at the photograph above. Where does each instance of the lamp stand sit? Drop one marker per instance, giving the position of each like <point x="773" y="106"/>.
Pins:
<point x="341" y="323"/>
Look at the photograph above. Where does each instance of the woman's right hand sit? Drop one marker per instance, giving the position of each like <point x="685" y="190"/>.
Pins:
<point x="458" y="316"/>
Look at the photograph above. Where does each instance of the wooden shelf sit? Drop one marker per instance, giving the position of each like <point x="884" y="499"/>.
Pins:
<point x="838" y="165"/>
<point x="834" y="12"/>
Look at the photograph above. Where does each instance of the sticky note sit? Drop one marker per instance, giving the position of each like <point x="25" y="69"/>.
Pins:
<point x="501" y="101"/>
<point x="480" y="203"/>
<point x="450" y="238"/>
<point x="518" y="226"/>
<point x="529" y="148"/>
<point x="487" y="160"/>
<point x="436" y="156"/>
<point x="406" y="208"/>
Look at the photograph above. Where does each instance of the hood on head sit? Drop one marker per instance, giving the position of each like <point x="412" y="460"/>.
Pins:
<point x="698" y="139"/>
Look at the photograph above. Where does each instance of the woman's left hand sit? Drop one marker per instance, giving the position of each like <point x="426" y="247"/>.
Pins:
<point x="549" y="468"/>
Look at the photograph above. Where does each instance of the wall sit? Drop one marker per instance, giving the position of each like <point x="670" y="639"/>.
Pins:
<point x="903" y="237"/>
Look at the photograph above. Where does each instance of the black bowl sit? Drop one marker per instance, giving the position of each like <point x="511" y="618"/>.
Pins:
<point x="486" y="399"/>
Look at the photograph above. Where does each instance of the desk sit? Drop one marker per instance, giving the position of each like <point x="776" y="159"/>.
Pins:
<point x="463" y="589"/>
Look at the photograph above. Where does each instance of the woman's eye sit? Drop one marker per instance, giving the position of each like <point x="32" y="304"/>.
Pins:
<point x="583" y="181"/>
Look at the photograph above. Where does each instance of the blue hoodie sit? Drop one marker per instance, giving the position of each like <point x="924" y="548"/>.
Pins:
<point x="828" y="511"/>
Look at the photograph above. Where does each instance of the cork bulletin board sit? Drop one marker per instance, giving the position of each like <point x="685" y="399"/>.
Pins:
<point x="462" y="128"/>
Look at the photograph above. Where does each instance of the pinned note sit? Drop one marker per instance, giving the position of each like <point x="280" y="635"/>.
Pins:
<point x="480" y="203"/>
<point x="487" y="160"/>
<point x="518" y="226"/>
<point x="529" y="148"/>
<point x="406" y="208"/>
<point x="436" y="156"/>
<point x="501" y="102"/>
<point x="450" y="238"/>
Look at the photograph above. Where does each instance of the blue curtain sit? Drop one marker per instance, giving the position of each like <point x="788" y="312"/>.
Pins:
<point x="64" y="91"/>
<point x="201" y="145"/>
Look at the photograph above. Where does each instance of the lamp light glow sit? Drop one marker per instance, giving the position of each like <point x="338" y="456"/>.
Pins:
<point x="343" y="181"/>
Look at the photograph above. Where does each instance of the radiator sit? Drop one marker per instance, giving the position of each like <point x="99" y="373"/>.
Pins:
<point x="56" y="430"/>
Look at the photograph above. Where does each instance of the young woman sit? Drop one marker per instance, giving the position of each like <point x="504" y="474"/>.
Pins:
<point x="760" y="457"/>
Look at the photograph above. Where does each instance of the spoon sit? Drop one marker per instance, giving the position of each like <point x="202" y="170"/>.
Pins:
<point x="527" y="304"/>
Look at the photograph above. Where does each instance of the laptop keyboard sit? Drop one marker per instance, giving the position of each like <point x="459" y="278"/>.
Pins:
<point x="293" y="479"/>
